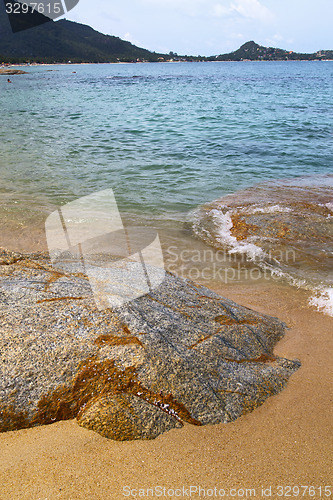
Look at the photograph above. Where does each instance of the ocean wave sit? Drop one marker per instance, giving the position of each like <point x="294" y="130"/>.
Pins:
<point x="283" y="226"/>
<point x="220" y="233"/>
<point x="270" y="209"/>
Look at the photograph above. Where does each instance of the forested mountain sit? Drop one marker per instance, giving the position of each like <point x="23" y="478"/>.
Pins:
<point x="62" y="41"/>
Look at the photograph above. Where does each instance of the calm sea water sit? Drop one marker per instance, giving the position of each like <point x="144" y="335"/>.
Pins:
<point x="165" y="137"/>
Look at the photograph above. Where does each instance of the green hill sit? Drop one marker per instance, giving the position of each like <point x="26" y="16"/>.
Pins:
<point x="62" y="41"/>
<point x="251" y="51"/>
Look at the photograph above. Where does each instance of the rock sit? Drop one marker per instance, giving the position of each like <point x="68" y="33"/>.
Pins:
<point x="283" y="225"/>
<point x="180" y="354"/>
<point x="4" y="71"/>
<point x="127" y="417"/>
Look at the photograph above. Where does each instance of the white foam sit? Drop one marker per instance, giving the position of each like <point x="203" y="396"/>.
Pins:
<point x="329" y="206"/>
<point x="270" y="209"/>
<point x="323" y="300"/>
<point x="224" y="225"/>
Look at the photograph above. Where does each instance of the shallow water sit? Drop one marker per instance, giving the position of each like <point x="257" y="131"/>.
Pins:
<point x="168" y="138"/>
<point x="284" y="227"/>
<point x="165" y="137"/>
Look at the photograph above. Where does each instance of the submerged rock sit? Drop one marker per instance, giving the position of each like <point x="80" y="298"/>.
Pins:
<point x="180" y="354"/>
<point x="4" y="71"/>
<point x="283" y="225"/>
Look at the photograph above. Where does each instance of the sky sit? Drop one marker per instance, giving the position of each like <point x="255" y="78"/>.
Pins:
<point x="211" y="27"/>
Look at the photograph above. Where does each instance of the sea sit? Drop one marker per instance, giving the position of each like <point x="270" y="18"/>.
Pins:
<point x="230" y="163"/>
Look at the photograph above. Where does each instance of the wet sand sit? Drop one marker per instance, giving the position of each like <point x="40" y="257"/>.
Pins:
<point x="287" y="441"/>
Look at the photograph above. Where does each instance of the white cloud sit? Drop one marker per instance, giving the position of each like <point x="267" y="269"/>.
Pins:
<point x="188" y="26"/>
<point x="189" y="7"/>
<point x="252" y="9"/>
<point x="220" y="10"/>
<point x="129" y="38"/>
<point x="276" y="39"/>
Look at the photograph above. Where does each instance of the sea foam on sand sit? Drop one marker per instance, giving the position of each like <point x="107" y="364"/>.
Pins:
<point x="323" y="300"/>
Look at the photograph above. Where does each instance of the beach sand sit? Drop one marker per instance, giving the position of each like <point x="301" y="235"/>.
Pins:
<point x="286" y="442"/>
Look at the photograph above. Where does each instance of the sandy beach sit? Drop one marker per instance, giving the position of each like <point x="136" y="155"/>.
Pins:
<point x="286" y="442"/>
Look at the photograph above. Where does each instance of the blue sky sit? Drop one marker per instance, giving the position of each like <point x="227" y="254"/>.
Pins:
<point x="209" y="27"/>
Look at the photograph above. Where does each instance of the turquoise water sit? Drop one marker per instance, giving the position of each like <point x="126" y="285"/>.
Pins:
<point x="168" y="138"/>
<point x="165" y="137"/>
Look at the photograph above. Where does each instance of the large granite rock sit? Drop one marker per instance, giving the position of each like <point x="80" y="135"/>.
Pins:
<point x="179" y="354"/>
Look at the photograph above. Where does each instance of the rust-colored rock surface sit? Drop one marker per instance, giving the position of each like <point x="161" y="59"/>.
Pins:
<point x="179" y="354"/>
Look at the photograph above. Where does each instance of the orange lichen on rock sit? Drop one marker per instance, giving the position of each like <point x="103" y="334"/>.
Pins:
<point x="12" y="420"/>
<point x="55" y="299"/>
<point x="95" y="380"/>
<point x="283" y="231"/>
<point x="224" y="321"/>
<point x="228" y="320"/>
<point x="54" y="276"/>
<point x="116" y="340"/>
<point x="241" y="229"/>
<point x="203" y="338"/>
<point x="263" y="358"/>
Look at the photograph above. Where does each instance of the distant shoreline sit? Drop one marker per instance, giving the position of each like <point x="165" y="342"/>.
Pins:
<point x="9" y="71"/>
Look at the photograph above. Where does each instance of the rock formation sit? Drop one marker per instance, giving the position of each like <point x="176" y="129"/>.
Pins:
<point x="180" y="354"/>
